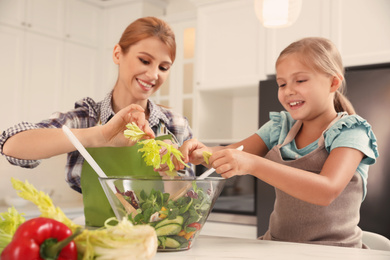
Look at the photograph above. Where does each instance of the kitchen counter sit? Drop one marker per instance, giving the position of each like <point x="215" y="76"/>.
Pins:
<point x="220" y="247"/>
<point x="220" y="240"/>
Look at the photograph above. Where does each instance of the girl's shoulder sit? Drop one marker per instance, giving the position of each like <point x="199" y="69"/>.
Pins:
<point x="352" y="131"/>
<point x="275" y="130"/>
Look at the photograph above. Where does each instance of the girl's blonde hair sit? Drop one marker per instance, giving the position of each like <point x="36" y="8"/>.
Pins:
<point x="322" y="55"/>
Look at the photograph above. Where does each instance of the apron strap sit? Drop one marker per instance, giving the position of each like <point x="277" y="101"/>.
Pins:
<point x="295" y="129"/>
<point x="321" y="140"/>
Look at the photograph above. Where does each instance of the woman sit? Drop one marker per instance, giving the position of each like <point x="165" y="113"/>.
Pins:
<point x="144" y="55"/>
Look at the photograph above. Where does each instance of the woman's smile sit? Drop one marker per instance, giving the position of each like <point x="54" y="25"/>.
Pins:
<point x="146" y="86"/>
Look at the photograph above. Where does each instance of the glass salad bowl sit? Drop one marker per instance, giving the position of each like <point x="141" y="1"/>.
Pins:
<point x="177" y="207"/>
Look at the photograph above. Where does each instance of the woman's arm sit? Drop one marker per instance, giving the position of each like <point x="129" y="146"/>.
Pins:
<point x="43" y="143"/>
<point x="319" y="189"/>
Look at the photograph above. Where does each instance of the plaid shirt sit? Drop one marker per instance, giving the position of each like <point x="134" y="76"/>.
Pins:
<point x="88" y="113"/>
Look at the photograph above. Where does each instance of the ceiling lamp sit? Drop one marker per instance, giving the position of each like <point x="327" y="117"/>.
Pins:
<point x="277" y="13"/>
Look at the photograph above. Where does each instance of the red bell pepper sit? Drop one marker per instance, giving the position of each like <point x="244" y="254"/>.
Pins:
<point x="41" y="238"/>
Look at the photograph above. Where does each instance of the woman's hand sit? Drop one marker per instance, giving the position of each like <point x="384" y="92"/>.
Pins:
<point x="113" y="130"/>
<point x="164" y="167"/>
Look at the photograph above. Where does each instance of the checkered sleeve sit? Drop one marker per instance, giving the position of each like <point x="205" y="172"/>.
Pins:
<point x="77" y="118"/>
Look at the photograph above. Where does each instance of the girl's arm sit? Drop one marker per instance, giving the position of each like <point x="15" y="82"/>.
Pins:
<point x="43" y="143"/>
<point x="319" y="189"/>
<point x="192" y="150"/>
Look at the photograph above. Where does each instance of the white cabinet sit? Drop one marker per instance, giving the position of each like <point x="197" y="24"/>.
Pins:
<point x="42" y="69"/>
<point x="42" y="76"/>
<point x="80" y="68"/>
<point x="229" y="64"/>
<point x="361" y="30"/>
<point x="40" y="16"/>
<point x="82" y="22"/>
<point x="230" y="45"/>
<point x="11" y="69"/>
<point x="30" y="75"/>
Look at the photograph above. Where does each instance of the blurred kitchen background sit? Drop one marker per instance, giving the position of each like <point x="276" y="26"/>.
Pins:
<point x="55" y="52"/>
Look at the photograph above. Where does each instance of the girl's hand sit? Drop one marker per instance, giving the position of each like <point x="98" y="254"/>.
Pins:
<point x="230" y="162"/>
<point x="112" y="132"/>
<point x="192" y="151"/>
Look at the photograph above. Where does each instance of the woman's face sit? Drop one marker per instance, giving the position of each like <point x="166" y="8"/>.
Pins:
<point x="303" y="92"/>
<point x="143" y="69"/>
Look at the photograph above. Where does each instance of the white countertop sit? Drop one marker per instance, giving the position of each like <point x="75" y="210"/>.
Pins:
<point x="216" y="247"/>
<point x="219" y="240"/>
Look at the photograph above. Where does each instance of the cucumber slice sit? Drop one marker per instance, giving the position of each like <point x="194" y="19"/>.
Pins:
<point x="167" y="230"/>
<point x="176" y="242"/>
<point x="172" y="243"/>
<point x="178" y="220"/>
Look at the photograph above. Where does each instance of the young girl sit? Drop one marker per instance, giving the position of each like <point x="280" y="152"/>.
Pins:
<point x="144" y="55"/>
<point x="316" y="153"/>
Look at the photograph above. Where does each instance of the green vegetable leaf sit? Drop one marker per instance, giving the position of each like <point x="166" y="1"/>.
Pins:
<point x="206" y="156"/>
<point x="43" y="201"/>
<point x="133" y="132"/>
<point x="151" y="149"/>
<point x="9" y="223"/>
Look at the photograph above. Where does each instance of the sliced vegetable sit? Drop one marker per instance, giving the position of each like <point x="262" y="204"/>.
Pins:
<point x="168" y="230"/>
<point x="178" y="220"/>
<point x="174" y="242"/>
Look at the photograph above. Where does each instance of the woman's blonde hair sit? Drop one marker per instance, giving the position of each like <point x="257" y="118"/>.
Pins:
<point x="322" y="55"/>
<point x="146" y="27"/>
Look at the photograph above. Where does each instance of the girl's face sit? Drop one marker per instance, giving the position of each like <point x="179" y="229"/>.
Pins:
<point x="143" y="69"/>
<point x="303" y="92"/>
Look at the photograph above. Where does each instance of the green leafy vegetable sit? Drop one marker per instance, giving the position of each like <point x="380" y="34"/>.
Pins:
<point x="151" y="150"/>
<point x="133" y="132"/>
<point x="206" y="156"/>
<point x="185" y="211"/>
<point x="9" y="223"/>
<point x="43" y="201"/>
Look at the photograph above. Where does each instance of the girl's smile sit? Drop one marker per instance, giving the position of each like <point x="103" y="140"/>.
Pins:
<point x="303" y="92"/>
